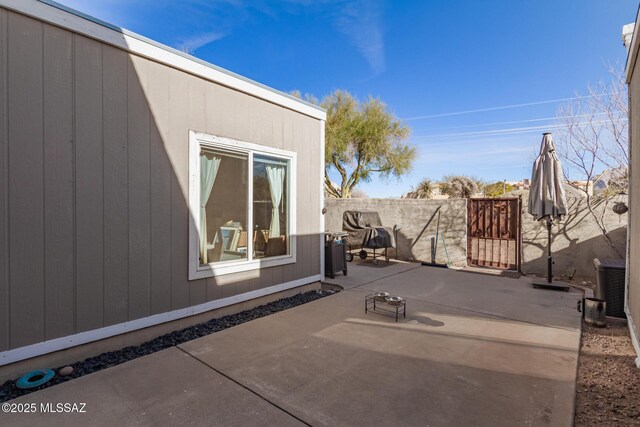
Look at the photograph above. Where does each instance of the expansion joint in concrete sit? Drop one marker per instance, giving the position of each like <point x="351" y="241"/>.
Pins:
<point x="275" y="405"/>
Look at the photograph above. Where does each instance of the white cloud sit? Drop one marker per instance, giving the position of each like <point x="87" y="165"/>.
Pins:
<point x="361" y="22"/>
<point x="197" y="41"/>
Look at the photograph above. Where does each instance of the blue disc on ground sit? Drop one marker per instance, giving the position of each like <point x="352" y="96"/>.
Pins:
<point x="35" y="378"/>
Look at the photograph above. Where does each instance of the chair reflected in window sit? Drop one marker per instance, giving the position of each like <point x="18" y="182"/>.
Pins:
<point x="276" y="246"/>
<point x="260" y="238"/>
<point x="233" y="243"/>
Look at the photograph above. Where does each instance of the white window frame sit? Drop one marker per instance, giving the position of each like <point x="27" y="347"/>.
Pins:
<point x="198" y="140"/>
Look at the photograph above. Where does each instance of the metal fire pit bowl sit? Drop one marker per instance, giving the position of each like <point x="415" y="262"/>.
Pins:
<point x="395" y="301"/>
<point x="380" y="296"/>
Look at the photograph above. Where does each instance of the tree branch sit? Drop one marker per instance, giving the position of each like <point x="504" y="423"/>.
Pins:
<point x="328" y="186"/>
<point x="343" y="174"/>
<point x="593" y="137"/>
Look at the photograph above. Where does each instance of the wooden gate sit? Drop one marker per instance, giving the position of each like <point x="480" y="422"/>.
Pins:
<point x="494" y="233"/>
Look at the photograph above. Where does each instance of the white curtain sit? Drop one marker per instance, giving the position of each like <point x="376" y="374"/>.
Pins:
<point x="275" y="174"/>
<point x="209" y="165"/>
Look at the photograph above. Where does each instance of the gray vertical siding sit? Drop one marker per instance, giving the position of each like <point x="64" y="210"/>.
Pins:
<point x="178" y="153"/>
<point x="139" y="201"/>
<point x="58" y="180"/>
<point x="94" y="217"/>
<point x="116" y="185"/>
<point x="89" y="184"/>
<point x="160" y="182"/>
<point x="26" y="180"/>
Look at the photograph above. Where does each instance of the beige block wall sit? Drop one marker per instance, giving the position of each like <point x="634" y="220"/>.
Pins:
<point x="411" y="216"/>
<point x="94" y="217"/>
<point x="576" y="241"/>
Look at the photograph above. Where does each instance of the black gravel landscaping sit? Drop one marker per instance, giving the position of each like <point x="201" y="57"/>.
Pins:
<point x="9" y="391"/>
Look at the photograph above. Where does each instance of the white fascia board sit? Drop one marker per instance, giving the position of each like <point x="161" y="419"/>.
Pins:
<point x="634" y="333"/>
<point x="27" y="352"/>
<point x="322" y="220"/>
<point x="77" y="22"/>
<point x="632" y="51"/>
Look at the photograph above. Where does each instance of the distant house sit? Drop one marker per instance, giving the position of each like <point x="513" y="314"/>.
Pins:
<point x="583" y="186"/>
<point x="631" y="38"/>
<point x="595" y="186"/>
<point x="608" y="179"/>
<point x="140" y="185"/>
<point x="600" y="183"/>
<point x="523" y="184"/>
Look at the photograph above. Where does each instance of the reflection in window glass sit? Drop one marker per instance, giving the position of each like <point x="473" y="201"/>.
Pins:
<point x="270" y="206"/>
<point x="223" y="206"/>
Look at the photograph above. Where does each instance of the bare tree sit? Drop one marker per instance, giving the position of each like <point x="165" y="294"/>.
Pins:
<point x="592" y="142"/>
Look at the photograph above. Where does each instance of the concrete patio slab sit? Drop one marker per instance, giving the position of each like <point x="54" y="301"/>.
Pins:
<point x="166" y="388"/>
<point x="449" y="363"/>
<point x="498" y="296"/>
<point x="473" y="350"/>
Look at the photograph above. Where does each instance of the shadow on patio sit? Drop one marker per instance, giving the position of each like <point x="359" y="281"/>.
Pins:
<point x="473" y="350"/>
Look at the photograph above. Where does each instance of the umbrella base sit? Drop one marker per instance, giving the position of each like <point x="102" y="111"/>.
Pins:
<point x="553" y="286"/>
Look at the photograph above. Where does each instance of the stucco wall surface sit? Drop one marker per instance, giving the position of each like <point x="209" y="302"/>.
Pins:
<point x="577" y="240"/>
<point x="411" y="216"/>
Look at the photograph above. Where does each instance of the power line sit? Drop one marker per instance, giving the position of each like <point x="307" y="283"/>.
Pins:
<point x="430" y="144"/>
<point x="493" y="132"/>
<point x="518" y="121"/>
<point x="503" y="107"/>
<point x="508" y="131"/>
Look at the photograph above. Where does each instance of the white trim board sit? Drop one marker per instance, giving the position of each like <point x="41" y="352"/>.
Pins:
<point x="27" y="352"/>
<point x="322" y="220"/>
<point x="633" y="50"/>
<point x="635" y="336"/>
<point x="94" y="28"/>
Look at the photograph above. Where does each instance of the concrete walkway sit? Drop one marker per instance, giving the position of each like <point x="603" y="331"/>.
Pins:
<point x="473" y="350"/>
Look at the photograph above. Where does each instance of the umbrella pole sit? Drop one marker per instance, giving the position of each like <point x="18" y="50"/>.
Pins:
<point x="549" y="260"/>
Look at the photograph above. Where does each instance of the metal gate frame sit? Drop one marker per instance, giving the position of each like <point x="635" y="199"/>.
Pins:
<point x="492" y="228"/>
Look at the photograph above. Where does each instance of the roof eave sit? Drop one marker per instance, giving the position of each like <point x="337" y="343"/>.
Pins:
<point x="632" y="51"/>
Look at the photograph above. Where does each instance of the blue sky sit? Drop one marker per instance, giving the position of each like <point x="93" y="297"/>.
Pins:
<point x="425" y="59"/>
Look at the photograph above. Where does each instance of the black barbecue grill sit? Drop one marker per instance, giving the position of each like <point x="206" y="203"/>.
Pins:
<point x="366" y="232"/>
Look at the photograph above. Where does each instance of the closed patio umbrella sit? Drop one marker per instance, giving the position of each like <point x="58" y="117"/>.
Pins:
<point x="547" y="200"/>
